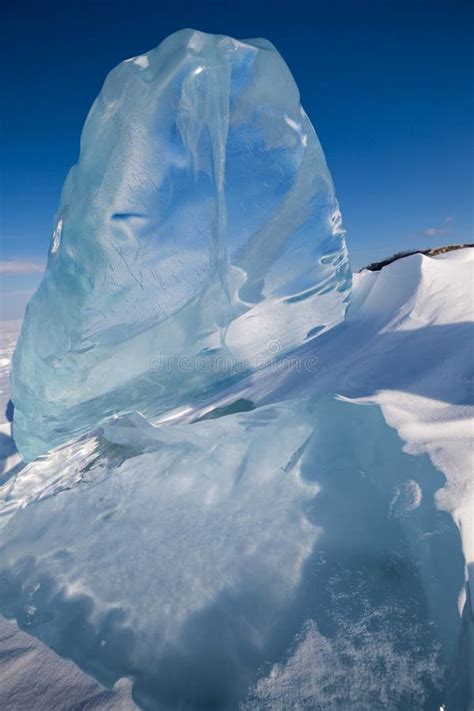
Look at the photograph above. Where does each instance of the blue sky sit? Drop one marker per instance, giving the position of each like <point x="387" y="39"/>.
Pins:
<point x="387" y="85"/>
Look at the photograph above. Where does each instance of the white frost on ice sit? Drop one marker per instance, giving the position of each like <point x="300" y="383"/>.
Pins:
<point x="142" y="61"/>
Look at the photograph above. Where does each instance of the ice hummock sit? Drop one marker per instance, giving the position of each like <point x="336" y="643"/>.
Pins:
<point x="200" y="222"/>
<point x="284" y="548"/>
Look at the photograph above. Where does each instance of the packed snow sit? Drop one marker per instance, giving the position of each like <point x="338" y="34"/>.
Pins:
<point x="211" y="568"/>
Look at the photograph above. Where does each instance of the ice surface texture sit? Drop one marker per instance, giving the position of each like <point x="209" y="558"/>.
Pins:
<point x="200" y="221"/>
<point x="266" y="557"/>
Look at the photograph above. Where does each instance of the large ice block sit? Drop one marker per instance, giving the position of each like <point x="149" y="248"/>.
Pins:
<point x="197" y="237"/>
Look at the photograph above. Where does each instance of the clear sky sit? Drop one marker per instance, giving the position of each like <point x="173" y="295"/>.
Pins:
<point x="387" y="85"/>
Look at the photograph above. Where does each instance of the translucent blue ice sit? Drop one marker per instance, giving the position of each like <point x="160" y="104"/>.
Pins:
<point x="197" y="237"/>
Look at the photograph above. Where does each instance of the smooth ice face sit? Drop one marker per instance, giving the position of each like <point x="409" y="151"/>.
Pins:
<point x="200" y="222"/>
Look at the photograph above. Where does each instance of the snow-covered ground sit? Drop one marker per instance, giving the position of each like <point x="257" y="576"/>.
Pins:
<point x="246" y="559"/>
